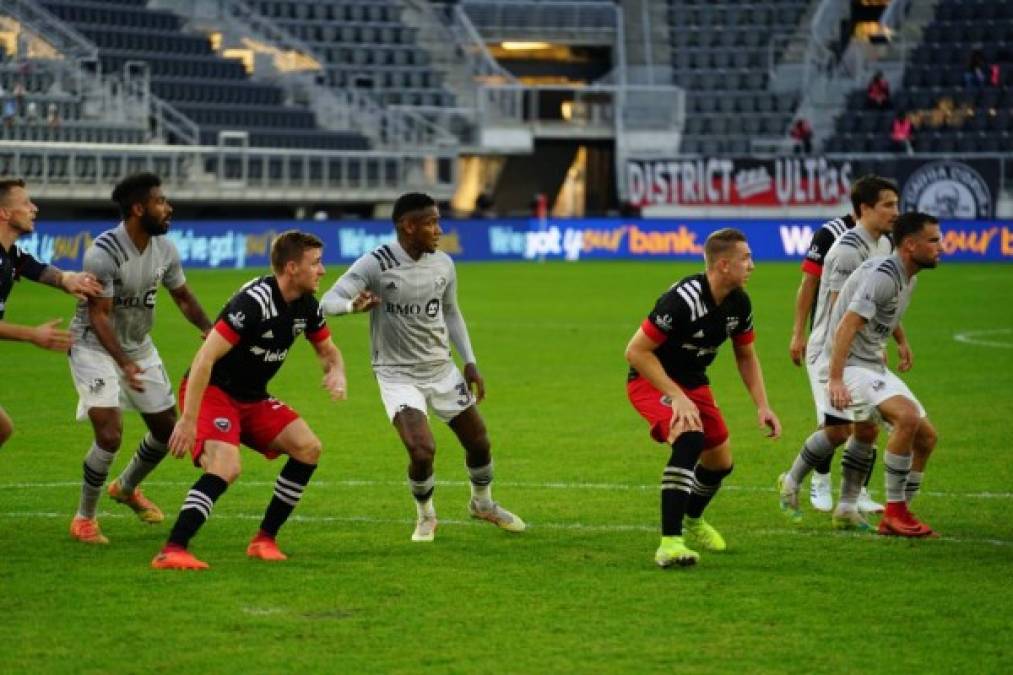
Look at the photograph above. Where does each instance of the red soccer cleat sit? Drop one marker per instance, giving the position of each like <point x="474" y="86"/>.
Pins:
<point x="175" y="558"/>
<point x="899" y="522"/>
<point x="86" y="530"/>
<point x="265" y="547"/>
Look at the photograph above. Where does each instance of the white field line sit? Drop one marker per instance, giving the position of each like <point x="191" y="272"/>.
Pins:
<point x="572" y="526"/>
<point x="975" y="337"/>
<point x="353" y="483"/>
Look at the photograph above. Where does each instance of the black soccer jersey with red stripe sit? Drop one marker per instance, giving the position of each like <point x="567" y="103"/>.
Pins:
<point x="14" y="264"/>
<point x="262" y="327"/>
<point x="690" y="327"/>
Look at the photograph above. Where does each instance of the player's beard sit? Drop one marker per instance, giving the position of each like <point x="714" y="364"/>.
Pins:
<point x="154" y="226"/>
<point x="926" y="264"/>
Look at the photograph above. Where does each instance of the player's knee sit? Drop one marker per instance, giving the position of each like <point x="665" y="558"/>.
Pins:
<point x="6" y="430"/>
<point x="308" y="451"/>
<point x="109" y="439"/>
<point x="837" y="434"/>
<point x="907" y="421"/>
<point x="866" y="433"/>
<point x="927" y="437"/>
<point x="422" y="451"/>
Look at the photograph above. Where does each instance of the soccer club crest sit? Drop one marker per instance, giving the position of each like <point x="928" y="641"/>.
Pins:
<point x="298" y="326"/>
<point x="223" y="423"/>
<point x="440" y="284"/>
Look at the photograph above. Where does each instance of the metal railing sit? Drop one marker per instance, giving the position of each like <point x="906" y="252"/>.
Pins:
<point x="557" y="18"/>
<point x="86" y="171"/>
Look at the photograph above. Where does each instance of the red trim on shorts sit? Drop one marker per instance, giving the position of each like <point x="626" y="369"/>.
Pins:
<point x="809" y="267"/>
<point x="227" y="332"/>
<point x="648" y="401"/>
<point x="746" y="338"/>
<point x="320" y="335"/>
<point x="653" y="331"/>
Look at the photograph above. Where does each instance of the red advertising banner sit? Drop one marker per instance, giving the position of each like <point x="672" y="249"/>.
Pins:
<point x="739" y="181"/>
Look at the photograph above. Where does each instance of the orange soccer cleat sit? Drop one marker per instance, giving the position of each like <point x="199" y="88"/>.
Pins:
<point x="86" y="530"/>
<point x="899" y="522"/>
<point x="136" y="502"/>
<point x="265" y="548"/>
<point x="175" y="558"/>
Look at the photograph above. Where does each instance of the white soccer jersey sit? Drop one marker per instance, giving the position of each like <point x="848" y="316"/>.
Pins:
<point x="131" y="278"/>
<point x="849" y="251"/>
<point x="411" y="330"/>
<point x="879" y="291"/>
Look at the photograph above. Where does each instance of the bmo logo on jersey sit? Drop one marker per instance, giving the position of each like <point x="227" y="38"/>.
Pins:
<point x="432" y="309"/>
<point x="146" y="300"/>
<point x="269" y="355"/>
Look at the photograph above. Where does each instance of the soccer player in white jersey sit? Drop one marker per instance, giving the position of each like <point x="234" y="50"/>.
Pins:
<point x="861" y="387"/>
<point x="17" y="217"/>
<point x="875" y="200"/>
<point x="113" y="361"/>
<point x="411" y="288"/>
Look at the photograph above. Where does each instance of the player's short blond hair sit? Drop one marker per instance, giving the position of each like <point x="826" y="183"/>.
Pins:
<point x="720" y="243"/>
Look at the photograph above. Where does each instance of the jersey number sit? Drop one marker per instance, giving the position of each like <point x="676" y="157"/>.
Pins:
<point x="462" y="389"/>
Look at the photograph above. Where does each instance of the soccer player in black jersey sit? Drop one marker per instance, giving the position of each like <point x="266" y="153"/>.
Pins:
<point x="225" y="401"/>
<point x="668" y="386"/>
<point x="17" y="217"/>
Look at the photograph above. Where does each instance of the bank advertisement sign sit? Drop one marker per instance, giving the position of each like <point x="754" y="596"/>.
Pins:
<point x="229" y="244"/>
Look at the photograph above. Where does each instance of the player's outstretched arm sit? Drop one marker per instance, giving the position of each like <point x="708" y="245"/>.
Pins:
<point x="751" y="373"/>
<point x="351" y="292"/>
<point x="803" y="307"/>
<point x="46" y="335"/>
<point x="640" y="355"/>
<point x="843" y="336"/>
<point x="191" y="308"/>
<point x="334" y="368"/>
<point x="82" y="285"/>
<point x="215" y="346"/>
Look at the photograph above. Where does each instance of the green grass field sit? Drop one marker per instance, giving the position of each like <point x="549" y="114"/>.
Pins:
<point x="579" y="590"/>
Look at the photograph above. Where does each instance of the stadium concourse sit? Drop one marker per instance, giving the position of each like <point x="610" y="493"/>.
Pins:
<point x="580" y="154"/>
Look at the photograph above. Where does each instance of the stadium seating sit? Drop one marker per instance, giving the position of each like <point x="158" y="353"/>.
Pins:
<point x="365" y="45"/>
<point x="216" y="93"/>
<point x="720" y="55"/>
<point x="950" y="116"/>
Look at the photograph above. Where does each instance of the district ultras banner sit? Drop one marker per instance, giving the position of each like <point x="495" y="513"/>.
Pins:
<point x="947" y="189"/>
<point x="226" y="244"/>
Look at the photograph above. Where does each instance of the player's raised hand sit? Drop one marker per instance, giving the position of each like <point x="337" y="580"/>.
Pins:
<point x="476" y="385"/>
<point x="840" y="397"/>
<point x="334" y="382"/>
<point x="82" y="285"/>
<point x="685" y="417"/>
<point x="769" y="420"/>
<point x="796" y="348"/>
<point x="906" y="357"/>
<point x="132" y="372"/>
<point x="48" y="336"/>
<point x="365" y="301"/>
<point x="184" y="434"/>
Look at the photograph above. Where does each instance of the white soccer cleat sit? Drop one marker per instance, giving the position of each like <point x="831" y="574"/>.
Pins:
<point x="425" y="528"/>
<point x="866" y="504"/>
<point x="496" y="515"/>
<point x="820" y="495"/>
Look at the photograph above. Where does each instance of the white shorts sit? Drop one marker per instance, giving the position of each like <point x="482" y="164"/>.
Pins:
<point x="817" y="372"/>
<point x="100" y="384"/>
<point x="448" y="396"/>
<point x="868" y="389"/>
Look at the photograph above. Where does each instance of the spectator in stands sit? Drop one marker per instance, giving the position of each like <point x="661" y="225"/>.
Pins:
<point x="32" y="113"/>
<point x="877" y="94"/>
<point x="978" y="71"/>
<point x="53" y="116"/>
<point x="8" y="108"/>
<point x="802" y="132"/>
<point x="483" y="207"/>
<point x="902" y="133"/>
